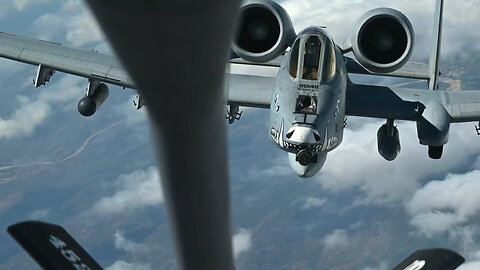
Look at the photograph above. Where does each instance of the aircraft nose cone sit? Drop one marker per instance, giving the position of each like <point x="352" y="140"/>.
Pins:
<point x="309" y="170"/>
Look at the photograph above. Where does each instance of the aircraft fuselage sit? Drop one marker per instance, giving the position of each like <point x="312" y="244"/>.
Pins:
<point x="307" y="111"/>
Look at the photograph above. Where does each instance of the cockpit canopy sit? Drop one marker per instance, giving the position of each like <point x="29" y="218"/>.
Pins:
<point x="316" y="62"/>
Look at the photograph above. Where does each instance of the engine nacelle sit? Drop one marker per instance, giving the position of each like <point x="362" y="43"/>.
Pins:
<point x="383" y="40"/>
<point x="264" y="31"/>
<point x="88" y="105"/>
<point x="388" y="140"/>
<point x="434" y="125"/>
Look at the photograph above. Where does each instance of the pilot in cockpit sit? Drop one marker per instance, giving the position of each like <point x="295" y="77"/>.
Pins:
<point x="311" y="59"/>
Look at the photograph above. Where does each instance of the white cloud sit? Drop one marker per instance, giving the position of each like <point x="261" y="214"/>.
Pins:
<point x="459" y="32"/>
<point x="135" y="118"/>
<point x="357" y="164"/>
<point x="382" y="266"/>
<point x="337" y="239"/>
<point x="72" y="21"/>
<point x="139" y="252"/>
<point x="242" y="242"/>
<point x="122" y="265"/>
<point x="23" y="4"/>
<point x="434" y="222"/>
<point x="83" y="29"/>
<point x="313" y="203"/>
<point x="31" y="114"/>
<point x="8" y="68"/>
<point x="24" y="120"/>
<point x="39" y="214"/>
<point x="10" y="7"/>
<point x="470" y="266"/>
<point x="440" y="205"/>
<point x="467" y="236"/>
<point x="138" y="190"/>
<point x="127" y="245"/>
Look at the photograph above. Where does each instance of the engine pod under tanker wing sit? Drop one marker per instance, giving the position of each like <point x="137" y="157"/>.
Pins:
<point x="383" y="40"/>
<point x="88" y="105"/>
<point x="264" y="31"/>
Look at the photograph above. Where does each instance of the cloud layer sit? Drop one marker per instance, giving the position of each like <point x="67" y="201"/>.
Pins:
<point x="136" y="191"/>
<point x="312" y="202"/>
<point x="71" y="22"/>
<point x="31" y="113"/>
<point x="460" y="37"/>
<point x="122" y="265"/>
<point x="242" y="242"/>
<point x="388" y="182"/>
<point x="337" y="239"/>
<point x="440" y="205"/>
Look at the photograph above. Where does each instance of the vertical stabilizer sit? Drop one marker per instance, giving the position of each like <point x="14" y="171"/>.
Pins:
<point x="436" y="46"/>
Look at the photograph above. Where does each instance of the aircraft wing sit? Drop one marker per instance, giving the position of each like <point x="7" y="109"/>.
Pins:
<point x="84" y="63"/>
<point x="412" y="70"/>
<point x="408" y="104"/>
<point x="52" y="246"/>
<point x="431" y="259"/>
<point x="249" y="91"/>
<point x="255" y="91"/>
<point x="251" y="84"/>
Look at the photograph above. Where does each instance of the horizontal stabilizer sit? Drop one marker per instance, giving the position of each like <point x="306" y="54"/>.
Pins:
<point x="431" y="259"/>
<point x="412" y="70"/>
<point x="51" y="246"/>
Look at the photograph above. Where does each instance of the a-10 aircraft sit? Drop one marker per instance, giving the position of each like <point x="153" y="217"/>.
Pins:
<point x="311" y="95"/>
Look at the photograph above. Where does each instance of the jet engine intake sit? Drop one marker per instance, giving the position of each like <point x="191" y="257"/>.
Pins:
<point x="388" y="140"/>
<point x="264" y="31"/>
<point x="88" y="105"/>
<point x="383" y="40"/>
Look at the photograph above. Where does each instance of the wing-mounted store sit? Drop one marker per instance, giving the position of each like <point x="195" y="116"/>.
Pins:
<point x="96" y="95"/>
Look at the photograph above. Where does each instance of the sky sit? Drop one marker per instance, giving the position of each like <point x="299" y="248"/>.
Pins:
<point x="439" y="198"/>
